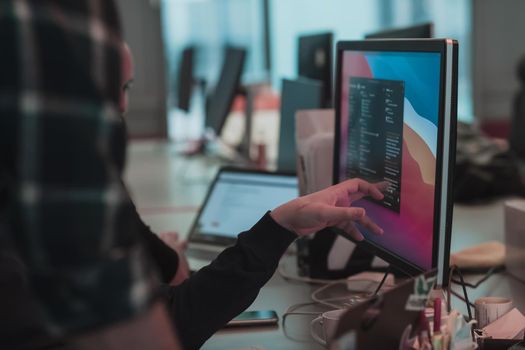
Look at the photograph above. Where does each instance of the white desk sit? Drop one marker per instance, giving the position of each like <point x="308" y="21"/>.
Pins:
<point x="168" y="190"/>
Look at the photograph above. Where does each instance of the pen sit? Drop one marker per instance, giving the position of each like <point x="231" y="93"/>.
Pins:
<point x="437" y="337"/>
<point x="424" y="334"/>
<point x="437" y="315"/>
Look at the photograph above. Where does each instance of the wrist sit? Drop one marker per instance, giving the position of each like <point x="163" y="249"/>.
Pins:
<point x="279" y="215"/>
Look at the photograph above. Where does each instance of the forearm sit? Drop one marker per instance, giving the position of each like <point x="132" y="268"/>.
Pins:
<point x="165" y="258"/>
<point x="214" y="295"/>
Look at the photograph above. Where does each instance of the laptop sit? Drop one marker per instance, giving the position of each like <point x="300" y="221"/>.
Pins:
<point x="236" y="200"/>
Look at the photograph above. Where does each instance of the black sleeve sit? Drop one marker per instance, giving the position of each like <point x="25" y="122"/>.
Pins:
<point x="165" y="258"/>
<point x="220" y="291"/>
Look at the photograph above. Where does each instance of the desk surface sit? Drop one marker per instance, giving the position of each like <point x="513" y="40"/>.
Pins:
<point x="168" y="190"/>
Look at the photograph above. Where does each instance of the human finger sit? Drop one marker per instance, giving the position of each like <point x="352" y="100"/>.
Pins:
<point x="171" y="234"/>
<point x="365" y="188"/>
<point x="183" y="244"/>
<point x="351" y="229"/>
<point x="370" y="225"/>
<point x="333" y="215"/>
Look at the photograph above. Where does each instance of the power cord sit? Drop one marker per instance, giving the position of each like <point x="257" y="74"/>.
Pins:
<point x="352" y="298"/>
<point x="330" y="303"/>
<point x="468" y="304"/>
<point x="327" y="301"/>
<point x="485" y="277"/>
<point x="382" y="281"/>
<point x="292" y="311"/>
<point x="289" y="277"/>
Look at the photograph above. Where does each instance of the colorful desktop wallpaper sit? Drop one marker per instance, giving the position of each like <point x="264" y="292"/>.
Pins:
<point x="409" y="232"/>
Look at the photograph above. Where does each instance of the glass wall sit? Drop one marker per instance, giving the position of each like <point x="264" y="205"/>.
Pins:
<point x="209" y="25"/>
<point x="352" y="19"/>
<point x="452" y="19"/>
<point x="347" y="19"/>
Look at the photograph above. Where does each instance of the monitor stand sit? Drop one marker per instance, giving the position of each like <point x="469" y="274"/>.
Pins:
<point x="210" y="144"/>
<point x="244" y="147"/>
<point x="313" y="255"/>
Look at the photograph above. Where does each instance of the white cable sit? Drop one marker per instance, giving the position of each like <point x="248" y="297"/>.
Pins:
<point x="286" y="276"/>
<point x="325" y="302"/>
<point x="352" y="298"/>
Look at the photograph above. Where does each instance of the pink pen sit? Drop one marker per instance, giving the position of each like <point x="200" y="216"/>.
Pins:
<point x="437" y="337"/>
<point x="437" y="315"/>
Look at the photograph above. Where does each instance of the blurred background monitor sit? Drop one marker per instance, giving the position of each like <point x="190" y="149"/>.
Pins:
<point x="221" y="99"/>
<point x="315" y="61"/>
<point x="420" y="31"/>
<point x="185" y="79"/>
<point x="296" y="94"/>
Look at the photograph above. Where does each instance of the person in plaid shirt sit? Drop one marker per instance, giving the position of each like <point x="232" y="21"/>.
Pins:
<point x="64" y="210"/>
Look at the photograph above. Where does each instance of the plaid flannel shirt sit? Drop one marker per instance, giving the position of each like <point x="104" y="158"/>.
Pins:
<point x="62" y="144"/>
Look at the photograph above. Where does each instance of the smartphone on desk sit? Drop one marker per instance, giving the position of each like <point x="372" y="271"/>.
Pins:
<point x="255" y="318"/>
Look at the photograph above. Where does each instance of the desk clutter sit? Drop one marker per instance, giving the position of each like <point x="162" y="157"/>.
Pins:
<point x="414" y="316"/>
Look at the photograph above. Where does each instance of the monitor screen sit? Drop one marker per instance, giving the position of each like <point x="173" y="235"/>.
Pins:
<point x="389" y="111"/>
<point x="315" y="61"/>
<point x="295" y="95"/>
<point x="227" y="87"/>
<point x="238" y="200"/>
<point x="418" y="31"/>
<point x="185" y="79"/>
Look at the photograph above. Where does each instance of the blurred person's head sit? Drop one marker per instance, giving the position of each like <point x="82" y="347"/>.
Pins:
<point x="127" y="76"/>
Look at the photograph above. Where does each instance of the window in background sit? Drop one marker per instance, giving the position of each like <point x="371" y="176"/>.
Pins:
<point x="452" y="19"/>
<point x="352" y="19"/>
<point x="347" y="19"/>
<point x="210" y="25"/>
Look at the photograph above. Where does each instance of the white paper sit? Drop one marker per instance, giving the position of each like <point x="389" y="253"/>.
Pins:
<point x="314" y="136"/>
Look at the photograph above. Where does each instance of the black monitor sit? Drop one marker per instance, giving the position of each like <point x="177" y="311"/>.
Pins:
<point x="396" y="111"/>
<point x="315" y="61"/>
<point x="185" y="79"/>
<point x="221" y="99"/>
<point x="296" y="94"/>
<point x="420" y="31"/>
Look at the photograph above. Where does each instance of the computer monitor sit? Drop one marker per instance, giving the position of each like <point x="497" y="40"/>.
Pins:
<point x="185" y="79"/>
<point x="315" y="61"/>
<point x="420" y="31"/>
<point x="396" y="122"/>
<point x="295" y="95"/>
<point x="220" y="101"/>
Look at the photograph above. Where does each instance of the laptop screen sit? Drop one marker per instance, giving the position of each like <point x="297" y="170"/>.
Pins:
<point x="237" y="200"/>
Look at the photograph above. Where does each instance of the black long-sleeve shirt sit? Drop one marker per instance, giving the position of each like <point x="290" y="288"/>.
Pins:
<point x="211" y="297"/>
<point x="218" y="292"/>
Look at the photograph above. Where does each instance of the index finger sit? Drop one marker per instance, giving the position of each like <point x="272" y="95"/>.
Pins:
<point x="365" y="188"/>
<point x="369" y="224"/>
